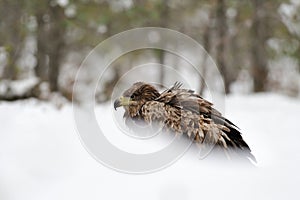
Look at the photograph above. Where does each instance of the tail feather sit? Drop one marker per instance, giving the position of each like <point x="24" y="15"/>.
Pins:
<point x="236" y="142"/>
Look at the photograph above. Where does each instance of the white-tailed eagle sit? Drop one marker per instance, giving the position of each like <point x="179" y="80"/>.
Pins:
<point x="184" y="112"/>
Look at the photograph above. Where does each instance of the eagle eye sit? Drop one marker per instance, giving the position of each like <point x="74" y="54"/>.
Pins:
<point x="132" y="96"/>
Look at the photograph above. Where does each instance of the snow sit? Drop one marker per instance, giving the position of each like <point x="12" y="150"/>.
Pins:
<point x="17" y="87"/>
<point x="41" y="157"/>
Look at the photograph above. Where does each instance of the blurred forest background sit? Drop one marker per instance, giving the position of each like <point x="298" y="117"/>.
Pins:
<point x="42" y="43"/>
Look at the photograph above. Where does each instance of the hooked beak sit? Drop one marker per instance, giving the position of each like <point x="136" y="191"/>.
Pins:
<point x="122" y="101"/>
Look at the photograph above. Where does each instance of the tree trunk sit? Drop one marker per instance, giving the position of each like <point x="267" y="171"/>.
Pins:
<point x="221" y="40"/>
<point x="41" y="69"/>
<point x="13" y="36"/>
<point x="206" y="45"/>
<point x="161" y="53"/>
<point x="56" y="47"/>
<point x="161" y="60"/>
<point x="259" y="69"/>
<point x="10" y="71"/>
<point x="50" y="38"/>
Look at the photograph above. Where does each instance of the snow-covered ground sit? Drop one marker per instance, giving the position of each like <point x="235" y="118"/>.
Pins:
<point x="41" y="157"/>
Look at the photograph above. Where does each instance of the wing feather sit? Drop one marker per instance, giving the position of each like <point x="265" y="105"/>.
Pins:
<point x="188" y="100"/>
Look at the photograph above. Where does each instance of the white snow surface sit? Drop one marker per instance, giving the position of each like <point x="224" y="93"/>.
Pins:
<point x="41" y="157"/>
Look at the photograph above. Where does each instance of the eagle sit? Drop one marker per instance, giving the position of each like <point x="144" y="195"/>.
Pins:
<point x="182" y="112"/>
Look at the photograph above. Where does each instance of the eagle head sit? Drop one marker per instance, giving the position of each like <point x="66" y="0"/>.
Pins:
<point x="135" y="97"/>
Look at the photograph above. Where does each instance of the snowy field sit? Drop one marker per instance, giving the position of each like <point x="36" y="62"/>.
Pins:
<point x="41" y="157"/>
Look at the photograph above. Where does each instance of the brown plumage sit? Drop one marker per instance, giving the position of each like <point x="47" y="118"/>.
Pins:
<point x="184" y="112"/>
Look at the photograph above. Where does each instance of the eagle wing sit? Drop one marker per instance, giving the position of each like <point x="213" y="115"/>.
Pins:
<point x="214" y="125"/>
